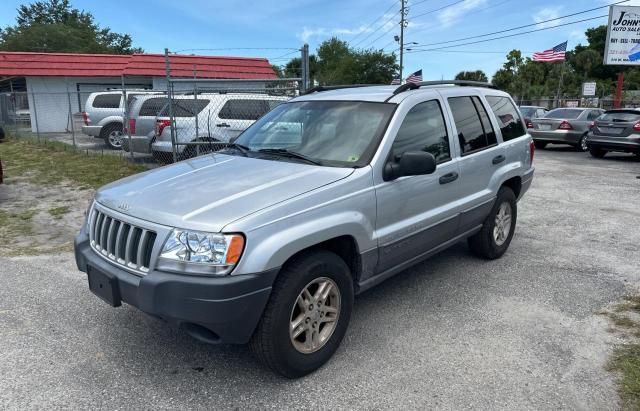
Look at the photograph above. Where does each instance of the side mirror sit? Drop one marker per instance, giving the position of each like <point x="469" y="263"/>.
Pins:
<point x="410" y="163"/>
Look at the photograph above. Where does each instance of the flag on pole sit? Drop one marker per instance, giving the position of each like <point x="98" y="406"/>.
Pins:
<point x="415" y="77"/>
<point x="555" y="54"/>
<point x="395" y="81"/>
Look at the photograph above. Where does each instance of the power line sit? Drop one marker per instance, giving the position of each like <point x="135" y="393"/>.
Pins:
<point x="438" y="9"/>
<point x="508" y="35"/>
<point x="524" y="26"/>
<point x="373" y="22"/>
<point x="378" y="29"/>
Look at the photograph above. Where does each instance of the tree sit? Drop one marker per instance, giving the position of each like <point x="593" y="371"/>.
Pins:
<point x="336" y="63"/>
<point x="477" y="75"/>
<point x="54" y="26"/>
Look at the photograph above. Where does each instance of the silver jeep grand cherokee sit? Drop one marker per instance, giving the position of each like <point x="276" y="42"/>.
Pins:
<point x="325" y="196"/>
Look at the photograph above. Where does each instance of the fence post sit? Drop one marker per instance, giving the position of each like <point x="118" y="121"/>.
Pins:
<point x="125" y="117"/>
<point x="195" y="106"/>
<point x="35" y="114"/>
<point x="170" y="95"/>
<point x="73" y="132"/>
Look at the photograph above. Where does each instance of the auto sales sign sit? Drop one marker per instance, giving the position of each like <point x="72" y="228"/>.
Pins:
<point x="623" y="36"/>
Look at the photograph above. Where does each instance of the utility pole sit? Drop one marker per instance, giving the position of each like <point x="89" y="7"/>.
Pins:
<point x="403" y="24"/>
<point x="304" y="63"/>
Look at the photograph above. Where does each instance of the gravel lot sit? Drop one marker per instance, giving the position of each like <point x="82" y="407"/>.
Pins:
<point x="451" y="333"/>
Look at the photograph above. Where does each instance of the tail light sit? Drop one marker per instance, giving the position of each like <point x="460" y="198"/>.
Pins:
<point x="160" y="125"/>
<point x="565" y="125"/>
<point x="132" y="126"/>
<point x="85" y="118"/>
<point x="529" y="123"/>
<point x="636" y="127"/>
<point x="591" y="124"/>
<point x="532" y="150"/>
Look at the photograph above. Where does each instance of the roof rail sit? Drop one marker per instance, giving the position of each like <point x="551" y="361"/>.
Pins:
<point x="318" y="89"/>
<point x="413" y="86"/>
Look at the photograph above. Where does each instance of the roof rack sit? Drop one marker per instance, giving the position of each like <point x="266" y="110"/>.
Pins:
<point x="318" y="89"/>
<point x="413" y="86"/>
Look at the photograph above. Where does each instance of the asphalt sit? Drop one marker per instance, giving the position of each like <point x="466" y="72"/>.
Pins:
<point x="454" y="332"/>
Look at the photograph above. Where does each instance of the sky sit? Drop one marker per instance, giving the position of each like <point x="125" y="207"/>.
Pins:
<point x="277" y="29"/>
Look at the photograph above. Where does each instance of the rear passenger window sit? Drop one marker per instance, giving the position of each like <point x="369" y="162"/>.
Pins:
<point x="423" y="129"/>
<point x="107" y="101"/>
<point x="508" y="117"/>
<point x="184" y="107"/>
<point x="246" y="109"/>
<point x="594" y="114"/>
<point x="474" y="129"/>
<point x="152" y="106"/>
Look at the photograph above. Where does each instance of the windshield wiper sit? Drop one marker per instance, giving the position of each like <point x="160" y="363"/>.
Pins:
<point x="239" y="147"/>
<point x="291" y="154"/>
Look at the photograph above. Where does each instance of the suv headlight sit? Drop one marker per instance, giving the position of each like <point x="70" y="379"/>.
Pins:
<point x="197" y="252"/>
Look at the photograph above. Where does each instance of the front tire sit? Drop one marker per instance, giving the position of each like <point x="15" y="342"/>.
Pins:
<point x="539" y="144"/>
<point x="493" y="239"/>
<point x="307" y="314"/>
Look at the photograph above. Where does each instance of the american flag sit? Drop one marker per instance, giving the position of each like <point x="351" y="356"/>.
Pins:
<point x="395" y="81"/>
<point x="415" y="77"/>
<point x="554" y="54"/>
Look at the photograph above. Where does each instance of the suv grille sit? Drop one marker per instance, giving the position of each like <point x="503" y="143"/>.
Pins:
<point x="121" y="242"/>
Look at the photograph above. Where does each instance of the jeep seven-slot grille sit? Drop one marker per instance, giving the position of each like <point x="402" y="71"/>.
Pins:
<point x="121" y="242"/>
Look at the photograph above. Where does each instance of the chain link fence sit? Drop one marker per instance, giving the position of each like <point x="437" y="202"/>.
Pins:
<point x="592" y="102"/>
<point x="190" y="117"/>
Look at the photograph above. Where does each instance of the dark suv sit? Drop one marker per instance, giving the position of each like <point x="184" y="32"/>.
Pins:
<point x="615" y="130"/>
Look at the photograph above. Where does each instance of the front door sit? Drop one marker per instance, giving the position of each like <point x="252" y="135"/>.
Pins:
<point x="416" y="213"/>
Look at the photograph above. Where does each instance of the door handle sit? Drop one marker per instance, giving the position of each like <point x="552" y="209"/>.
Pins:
<point x="448" y="178"/>
<point x="222" y="125"/>
<point x="498" y="159"/>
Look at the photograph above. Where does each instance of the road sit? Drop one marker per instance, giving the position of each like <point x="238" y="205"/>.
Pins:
<point x="453" y="332"/>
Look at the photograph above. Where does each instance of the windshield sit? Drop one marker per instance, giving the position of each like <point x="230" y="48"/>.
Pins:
<point x="335" y="133"/>
<point x="564" y="113"/>
<point x="626" y="116"/>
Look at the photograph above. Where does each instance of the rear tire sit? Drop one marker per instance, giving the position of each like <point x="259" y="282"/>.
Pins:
<point x="582" y="144"/>
<point x="493" y="239"/>
<point x="112" y="135"/>
<point x="597" y="152"/>
<point x="540" y="145"/>
<point x="291" y="311"/>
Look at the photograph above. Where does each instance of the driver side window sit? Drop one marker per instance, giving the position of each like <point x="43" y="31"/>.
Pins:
<point x="423" y="129"/>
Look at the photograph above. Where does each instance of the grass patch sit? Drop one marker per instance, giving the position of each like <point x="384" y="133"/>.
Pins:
<point x="58" y="212"/>
<point x="52" y="162"/>
<point x="626" y="358"/>
<point x="15" y="224"/>
<point x="626" y="361"/>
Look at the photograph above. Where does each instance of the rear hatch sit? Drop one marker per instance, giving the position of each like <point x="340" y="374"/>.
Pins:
<point x="619" y="123"/>
<point x="555" y="118"/>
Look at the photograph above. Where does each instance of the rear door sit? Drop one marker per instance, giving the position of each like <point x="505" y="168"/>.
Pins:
<point x="480" y="156"/>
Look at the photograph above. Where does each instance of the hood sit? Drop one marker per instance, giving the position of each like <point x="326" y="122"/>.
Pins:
<point x="208" y="192"/>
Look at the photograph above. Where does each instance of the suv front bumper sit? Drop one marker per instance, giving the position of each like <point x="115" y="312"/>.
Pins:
<point x="229" y="307"/>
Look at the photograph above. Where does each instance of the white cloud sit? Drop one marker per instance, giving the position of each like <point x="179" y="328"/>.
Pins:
<point x="578" y="36"/>
<point x="389" y="20"/>
<point x="452" y="14"/>
<point x="548" y="13"/>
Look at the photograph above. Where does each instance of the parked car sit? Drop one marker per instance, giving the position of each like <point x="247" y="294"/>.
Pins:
<point x="531" y="112"/>
<point x="615" y="130"/>
<point x="104" y="111"/>
<point x="220" y="118"/>
<point x="324" y="197"/>
<point x="142" y="113"/>
<point x="564" y="126"/>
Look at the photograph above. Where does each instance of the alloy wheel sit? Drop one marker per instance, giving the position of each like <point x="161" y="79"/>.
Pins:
<point x="314" y="315"/>
<point x="115" y="138"/>
<point x="502" y="224"/>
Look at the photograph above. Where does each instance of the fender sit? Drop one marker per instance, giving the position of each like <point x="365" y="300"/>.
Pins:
<point x="110" y="119"/>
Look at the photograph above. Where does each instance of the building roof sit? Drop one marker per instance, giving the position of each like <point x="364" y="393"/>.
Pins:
<point x="24" y="64"/>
